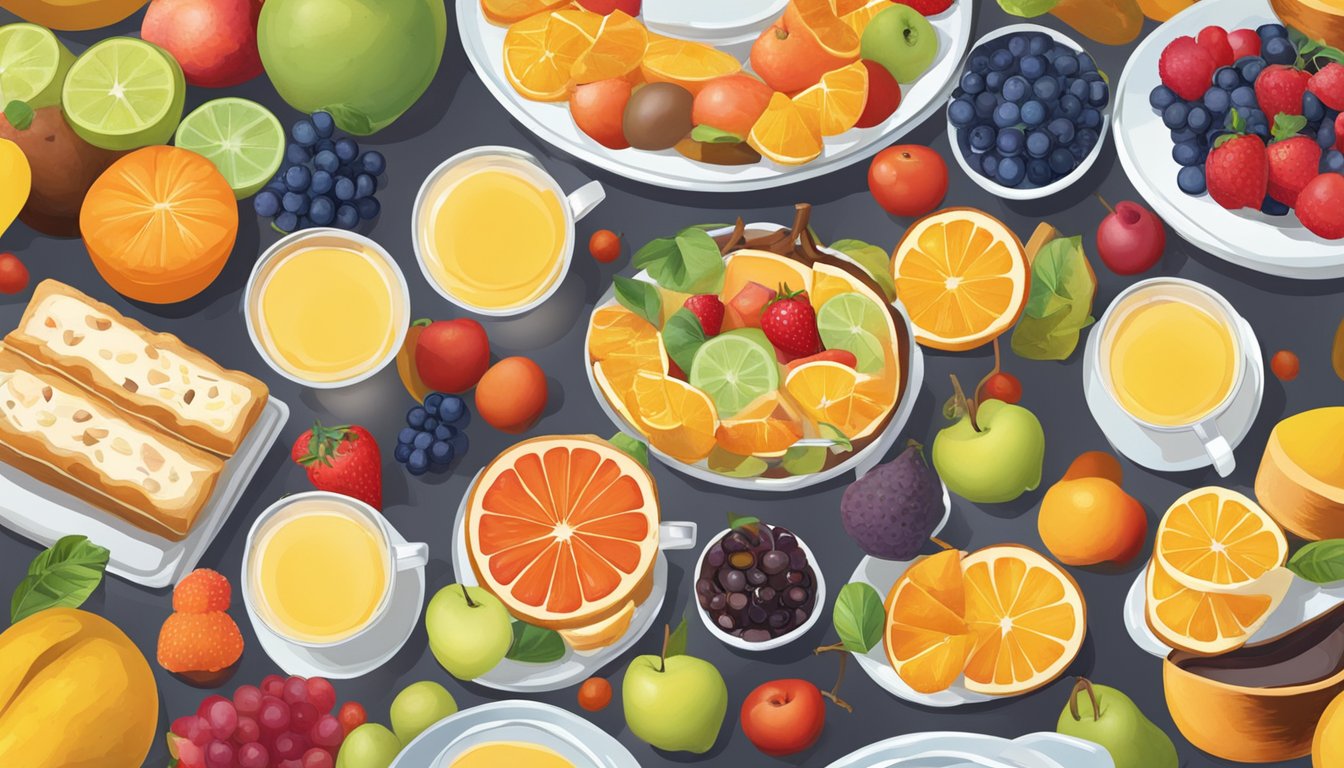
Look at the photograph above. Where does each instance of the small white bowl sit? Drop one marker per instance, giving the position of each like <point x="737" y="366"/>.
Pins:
<point x="712" y="21"/>
<point x="818" y="602"/>
<point x="1059" y="185"/>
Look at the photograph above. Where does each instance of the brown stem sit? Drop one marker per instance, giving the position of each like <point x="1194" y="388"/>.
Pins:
<point x="941" y="543"/>
<point x="969" y="405"/>
<point x="998" y="366"/>
<point x="1084" y="684"/>
<point x="467" y="596"/>
<point x="834" y="693"/>
<point x="1103" y="202"/>
<point x="736" y="238"/>
<point x="833" y="647"/>
<point x="667" y="639"/>
<point x="802" y="214"/>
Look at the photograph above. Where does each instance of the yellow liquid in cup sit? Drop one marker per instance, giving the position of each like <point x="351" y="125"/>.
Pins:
<point x="1171" y="362"/>
<point x="329" y="313"/>
<point x="493" y="233"/>
<point x="509" y="754"/>
<point x="321" y="575"/>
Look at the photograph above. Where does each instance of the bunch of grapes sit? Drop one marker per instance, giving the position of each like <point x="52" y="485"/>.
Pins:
<point x="324" y="181"/>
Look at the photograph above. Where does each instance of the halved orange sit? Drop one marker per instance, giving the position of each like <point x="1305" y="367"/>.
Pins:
<point x="563" y="530"/>
<point x="685" y="63"/>
<point x="819" y="19"/>
<point x="511" y="11"/>
<point x="838" y="100"/>
<point x="963" y="276"/>
<point x="1217" y="540"/>
<point x="765" y="427"/>
<point x="1205" y="622"/>
<point x="787" y="133"/>
<point x="616" y="51"/>
<point x="625" y="344"/>
<point x="540" y="52"/>
<point x="836" y="394"/>
<point x="678" y="419"/>
<point x="1028" y="618"/>
<point x="927" y="639"/>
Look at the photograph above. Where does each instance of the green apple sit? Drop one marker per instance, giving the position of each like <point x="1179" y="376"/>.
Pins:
<point x="469" y="630"/>
<point x="902" y="40"/>
<point x="1105" y="716"/>
<point x="369" y="746"/>
<point x="675" y="704"/>
<point x="418" y="706"/>
<point x="996" y="458"/>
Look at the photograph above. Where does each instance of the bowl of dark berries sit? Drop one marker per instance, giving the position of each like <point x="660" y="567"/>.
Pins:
<point x="1030" y="113"/>
<point x="758" y="587"/>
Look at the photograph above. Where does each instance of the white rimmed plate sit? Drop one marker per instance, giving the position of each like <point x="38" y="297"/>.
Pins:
<point x="954" y="750"/>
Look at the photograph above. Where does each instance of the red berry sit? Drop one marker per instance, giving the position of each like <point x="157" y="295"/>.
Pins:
<point x="1285" y="365"/>
<point x="296" y="691"/>
<point x="317" y="758"/>
<point x="321" y="694"/>
<point x="1214" y="41"/>
<point x="351" y="716"/>
<point x="13" y="275"/>
<point x="1237" y="173"/>
<point x="790" y="323"/>
<point x="273" y="685"/>
<point x="1320" y="206"/>
<point x="247" y="699"/>
<point x="605" y="246"/>
<point x="202" y="591"/>
<point x="708" y="309"/>
<point x="1244" y="42"/>
<point x="327" y="732"/>
<point x="595" y="694"/>
<point x="1186" y="68"/>
<point x="1003" y="386"/>
<point x="1279" y="90"/>
<point x="1328" y="85"/>
<point x="1293" y="163"/>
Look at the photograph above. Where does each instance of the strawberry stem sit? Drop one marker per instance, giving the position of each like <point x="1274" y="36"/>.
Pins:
<point x="325" y="445"/>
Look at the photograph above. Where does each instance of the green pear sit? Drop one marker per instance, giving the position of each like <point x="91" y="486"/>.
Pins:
<point x="418" y="706"/>
<point x="1105" y="716"/>
<point x="369" y="746"/>
<point x="994" y="457"/>
<point x="676" y="704"/>
<point x="469" y="629"/>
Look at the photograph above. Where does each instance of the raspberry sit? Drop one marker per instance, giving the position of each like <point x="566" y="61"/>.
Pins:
<point x="1186" y="68"/>
<point x="202" y="591"/>
<point x="199" y="642"/>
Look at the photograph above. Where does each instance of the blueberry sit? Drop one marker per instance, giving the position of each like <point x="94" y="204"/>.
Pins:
<point x="1047" y="89"/>
<point x="346" y="149"/>
<point x="1011" y="171"/>
<point x="323" y="124"/>
<point x="1061" y="162"/>
<point x="1227" y="78"/>
<point x="1038" y="44"/>
<point x="368" y="207"/>
<point x="402" y="453"/>
<point x="1332" y="162"/>
<point x="322" y="182"/>
<point x="373" y="163"/>
<point x="322" y="211"/>
<point x="441" y="453"/>
<point x="431" y="423"/>
<point x="286" y="221"/>
<point x="1039" y="144"/>
<point x="1032" y="67"/>
<point x="972" y="83"/>
<point x="980" y="63"/>
<point x="344" y="189"/>
<point x="1191" y="180"/>
<point x="347" y="217"/>
<point x="365" y="186"/>
<point x="304" y="133"/>
<point x="994" y="81"/>
<point x="324" y="145"/>
<point x="1065" y="65"/>
<point x="985" y="104"/>
<point x="1038" y="172"/>
<point x="1182" y="134"/>
<point x="1087" y="139"/>
<point x="1260" y="129"/>
<point x="297" y="155"/>
<point x="423" y="440"/>
<point x="1062" y="129"/>
<point x="974" y="161"/>
<point x="1091" y="77"/>
<point x="1312" y="108"/>
<point x="1079" y="89"/>
<point x="407" y="435"/>
<point x="277" y="185"/>
<point x="1187" y="153"/>
<point x="1071" y="106"/>
<point x="1098" y="94"/>
<point x="1271" y="31"/>
<point x="1217" y="101"/>
<point x="1010" y="142"/>
<point x="295" y="203"/>
<point x="989" y="165"/>
<point x="1325" y="135"/>
<point x="418" y="462"/>
<point x="961" y="112"/>
<point x="982" y="138"/>
<point x="451" y="409"/>
<point x="297" y="179"/>
<point x="1001" y="60"/>
<point x="1007" y="114"/>
<point x="266" y="203"/>
<point x="1273" y="207"/>
<point x="326" y="160"/>
<point x="1278" y="50"/>
<point x="1033" y="113"/>
<point x="1085" y="62"/>
<point x="1199" y="119"/>
<point x="1161" y="97"/>
<point x="1175" y="115"/>
<point x="416" y="417"/>
<point x="1018" y="45"/>
<point x="1250" y="68"/>
<point x="1091" y="118"/>
<point x="434" y="400"/>
<point x="1016" y="88"/>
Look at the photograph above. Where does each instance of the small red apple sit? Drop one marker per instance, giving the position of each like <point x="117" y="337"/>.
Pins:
<point x="1131" y="239"/>
<point x="452" y="355"/>
<point x="599" y="108"/>
<point x="607" y="6"/>
<point x="783" y="717"/>
<point x="215" y="41"/>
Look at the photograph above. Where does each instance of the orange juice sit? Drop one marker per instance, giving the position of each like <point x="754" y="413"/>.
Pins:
<point x="500" y="753"/>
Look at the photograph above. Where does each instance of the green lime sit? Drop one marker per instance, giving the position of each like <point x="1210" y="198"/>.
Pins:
<point x="124" y="93"/>
<point x="33" y="64"/>
<point x="856" y="324"/>
<point x="242" y="138"/>
<point x="735" y="368"/>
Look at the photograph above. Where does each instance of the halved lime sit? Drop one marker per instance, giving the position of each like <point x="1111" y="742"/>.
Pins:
<point x="124" y="93"/>
<point x="735" y="368"/>
<point x="856" y="324"/>
<point x="242" y="138"/>
<point x="33" y="64"/>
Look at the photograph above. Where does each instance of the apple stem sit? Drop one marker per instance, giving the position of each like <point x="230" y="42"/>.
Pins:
<point x="998" y="366"/>
<point x="1084" y="684"/>
<point x="834" y="693"/>
<point x="969" y="405"/>
<point x="667" y="639"/>
<point x="1104" y="203"/>
<point x="735" y="239"/>
<point x="467" y="595"/>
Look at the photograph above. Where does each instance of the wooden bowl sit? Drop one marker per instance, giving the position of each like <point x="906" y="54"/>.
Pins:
<point x="1317" y="19"/>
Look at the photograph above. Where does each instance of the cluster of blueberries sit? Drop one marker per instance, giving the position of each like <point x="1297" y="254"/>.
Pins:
<point x="324" y="180"/>
<point x="433" y="434"/>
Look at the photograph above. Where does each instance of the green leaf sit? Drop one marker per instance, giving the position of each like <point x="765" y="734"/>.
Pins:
<point x="1028" y="8"/>
<point x="639" y="297"/>
<point x="1287" y="126"/>
<point x="62" y="576"/>
<point x="1320" y="562"/>
<point x="682" y="336"/>
<point x="858" y="617"/>
<point x="708" y="134"/>
<point x="535" y="645"/>
<point x="732" y="465"/>
<point x="804" y="461"/>
<point x="1059" y="306"/>
<point x="875" y="261"/>
<point x="19" y="114"/>
<point x="689" y="262"/>
<point x="833" y="433"/>
<point x="743" y="522"/>
<point x="676" y="643"/>
<point x="636" y="448"/>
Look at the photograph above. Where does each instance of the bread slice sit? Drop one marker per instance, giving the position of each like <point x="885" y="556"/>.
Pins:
<point x="56" y="432"/>
<point x="152" y="375"/>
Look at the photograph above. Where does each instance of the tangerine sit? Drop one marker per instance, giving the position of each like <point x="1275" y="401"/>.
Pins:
<point x="512" y="395"/>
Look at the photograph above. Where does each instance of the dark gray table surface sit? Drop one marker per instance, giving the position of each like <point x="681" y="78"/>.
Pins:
<point x="457" y="113"/>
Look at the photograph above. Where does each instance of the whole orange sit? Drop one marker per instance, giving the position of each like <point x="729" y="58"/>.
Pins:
<point x="512" y="395"/>
<point x="908" y="180"/>
<point x="1095" y="464"/>
<point x="1091" y="520"/>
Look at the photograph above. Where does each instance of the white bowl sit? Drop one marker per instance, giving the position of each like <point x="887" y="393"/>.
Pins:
<point x="818" y="602"/>
<point x="712" y="21"/>
<point x="1059" y="185"/>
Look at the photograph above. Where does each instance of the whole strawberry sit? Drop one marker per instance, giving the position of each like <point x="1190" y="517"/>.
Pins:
<point x="1214" y="42"/>
<point x="1279" y="90"/>
<point x="1320" y="206"/>
<point x="1237" y="169"/>
<point x="1328" y="85"/>
<point x="1186" y="68"/>
<point x="343" y="460"/>
<point x="708" y="309"/>
<point x="790" y="323"/>
<point x="1293" y="160"/>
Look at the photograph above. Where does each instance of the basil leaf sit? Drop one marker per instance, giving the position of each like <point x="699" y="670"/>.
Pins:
<point x="639" y="297"/>
<point x="535" y="645"/>
<point x="1059" y="306"/>
<point x="636" y="448"/>
<point x="62" y="576"/>
<point x="682" y="336"/>
<point x="732" y="465"/>
<point x="676" y="642"/>
<point x="654" y="252"/>
<point x="858" y="617"/>
<point x="1028" y="8"/>
<point x="875" y="261"/>
<point x="708" y="134"/>
<point x="803" y="461"/>
<point x="1320" y="562"/>
<point x="740" y="522"/>
<point x="688" y="263"/>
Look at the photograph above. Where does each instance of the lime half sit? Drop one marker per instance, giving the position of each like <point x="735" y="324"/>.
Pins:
<point x="735" y="368"/>
<point x="124" y="93"/>
<point x="856" y="324"/>
<point x="33" y="64"/>
<point x="242" y="138"/>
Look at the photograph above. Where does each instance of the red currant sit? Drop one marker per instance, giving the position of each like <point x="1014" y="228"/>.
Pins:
<point x="352" y="716"/>
<point x="605" y="246"/>
<point x="1285" y="365"/>
<point x="1003" y="386"/>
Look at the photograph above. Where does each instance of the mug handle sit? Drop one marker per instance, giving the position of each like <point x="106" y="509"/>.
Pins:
<point x="677" y="535"/>
<point x="407" y="557"/>
<point x="583" y="200"/>
<point x="1216" y="446"/>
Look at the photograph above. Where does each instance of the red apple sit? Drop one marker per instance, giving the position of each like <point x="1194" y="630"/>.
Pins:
<point x="1131" y="239"/>
<point x="215" y="41"/>
<point x="607" y="6"/>
<point x="783" y="717"/>
<point x="452" y="355"/>
<point x="884" y="95"/>
<point x="599" y="109"/>
<point x="731" y="103"/>
<point x="788" y="57"/>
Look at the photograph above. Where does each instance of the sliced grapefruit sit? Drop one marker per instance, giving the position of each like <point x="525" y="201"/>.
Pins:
<point x="926" y="638"/>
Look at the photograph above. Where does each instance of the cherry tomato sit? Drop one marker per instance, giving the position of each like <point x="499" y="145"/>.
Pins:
<point x="605" y="246"/>
<point x="908" y="179"/>
<point x="1005" y="387"/>
<point x="13" y="275"/>
<point x="351" y="716"/>
<point x="1285" y="365"/>
<point x="595" y="694"/>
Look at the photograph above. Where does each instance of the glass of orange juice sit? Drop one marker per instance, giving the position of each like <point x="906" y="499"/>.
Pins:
<point x="494" y="232"/>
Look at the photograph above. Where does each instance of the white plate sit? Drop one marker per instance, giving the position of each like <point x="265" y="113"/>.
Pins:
<point x="371" y="649"/>
<point x="935" y="750"/>
<point x="530" y="722"/>
<point x="1304" y="602"/>
<point x="1277" y="245"/>
<point x="575" y="666"/>
<point x="861" y="462"/>
<point x="484" y="43"/>
<point x="1059" y="185"/>
<point x="44" y="513"/>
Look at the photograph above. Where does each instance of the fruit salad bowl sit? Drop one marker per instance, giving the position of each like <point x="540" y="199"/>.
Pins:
<point x="765" y="428"/>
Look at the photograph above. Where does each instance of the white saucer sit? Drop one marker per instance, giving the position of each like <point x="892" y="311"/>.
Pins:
<point x="952" y="750"/>
<point x="372" y="649"/>
<point x="1172" y="451"/>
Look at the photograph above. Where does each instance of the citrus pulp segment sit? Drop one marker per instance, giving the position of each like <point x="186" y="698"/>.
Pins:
<point x="540" y="52"/>
<point x="124" y="93"/>
<point x="854" y="323"/>
<point x="835" y="394"/>
<point x="857" y="13"/>
<point x="818" y="18"/>
<point x="838" y="100"/>
<point x="242" y="138"/>
<point x="625" y="344"/>
<point x="564" y="530"/>
<point x="735" y="368"/>
<point x="33" y="64"/>
<point x="678" y="419"/>
<point x="510" y="11"/>
<point x="926" y="637"/>
<point x="617" y="49"/>
<point x="685" y="63"/>
<point x="1205" y="622"/>
<point x="1217" y="540"/>
<point x="787" y="133"/>
<point x="765" y="428"/>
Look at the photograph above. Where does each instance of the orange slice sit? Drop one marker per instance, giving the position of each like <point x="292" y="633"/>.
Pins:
<point x="963" y="276"/>
<point x="625" y="344"/>
<point x="617" y="49"/>
<point x="766" y="427"/>
<point x="563" y="530"/>
<point x="926" y="637"/>
<point x="1028" y="618"/>
<point x="838" y="100"/>
<point x="685" y="63"/>
<point x="835" y="394"/>
<point x="819" y="18"/>
<point x="540" y="52"/>
<point x="857" y="13"/>
<point x="1217" y="540"/>
<point x="1205" y="622"/>
<point x="511" y="11"/>
<point x="787" y="133"/>
<point x="679" y="419"/>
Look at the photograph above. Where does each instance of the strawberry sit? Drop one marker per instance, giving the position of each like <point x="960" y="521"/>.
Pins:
<point x="202" y="591"/>
<point x="1293" y="160"/>
<point x="1328" y="85"/>
<point x="1320" y="206"/>
<point x="343" y="460"/>
<point x="1279" y="90"/>
<point x="1186" y="68"/>
<point x="1237" y="169"/>
<point x="790" y="323"/>
<point x="1214" y="42"/>
<point x="708" y="309"/>
<point x="1244" y="42"/>
<point x="199" y="642"/>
